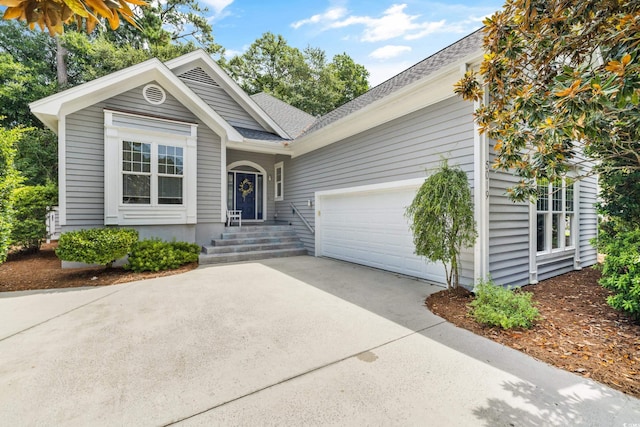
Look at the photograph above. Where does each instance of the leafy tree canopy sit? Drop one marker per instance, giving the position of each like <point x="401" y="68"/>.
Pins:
<point x="564" y="83"/>
<point x="304" y="79"/>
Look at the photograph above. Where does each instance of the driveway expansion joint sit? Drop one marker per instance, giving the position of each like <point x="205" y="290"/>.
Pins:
<point x="309" y="371"/>
<point x="60" y="315"/>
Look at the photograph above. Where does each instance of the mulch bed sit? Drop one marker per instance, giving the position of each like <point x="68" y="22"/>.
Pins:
<point x="578" y="331"/>
<point x="42" y="270"/>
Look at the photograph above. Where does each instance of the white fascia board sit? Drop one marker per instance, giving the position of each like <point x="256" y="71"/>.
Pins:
<point x="434" y="88"/>
<point x="256" y="146"/>
<point x="203" y="60"/>
<point x="51" y="108"/>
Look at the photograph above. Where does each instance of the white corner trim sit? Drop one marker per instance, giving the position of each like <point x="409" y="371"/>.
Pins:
<point x="62" y="168"/>
<point x="223" y="179"/>
<point x="481" y="199"/>
<point x="577" y="196"/>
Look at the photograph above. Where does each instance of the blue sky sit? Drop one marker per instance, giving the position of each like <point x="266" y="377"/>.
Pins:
<point x="385" y="36"/>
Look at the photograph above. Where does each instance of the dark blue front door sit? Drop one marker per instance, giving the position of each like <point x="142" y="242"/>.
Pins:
<point x="246" y="194"/>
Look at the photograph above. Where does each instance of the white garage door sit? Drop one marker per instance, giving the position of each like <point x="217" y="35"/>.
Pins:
<point x="366" y="225"/>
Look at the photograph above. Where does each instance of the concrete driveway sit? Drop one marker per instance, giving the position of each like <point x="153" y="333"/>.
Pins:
<point x="298" y="341"/>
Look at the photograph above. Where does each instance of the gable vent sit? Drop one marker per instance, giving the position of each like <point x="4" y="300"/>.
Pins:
<point x="198" y="75"/>
<point x="154" y="94"/>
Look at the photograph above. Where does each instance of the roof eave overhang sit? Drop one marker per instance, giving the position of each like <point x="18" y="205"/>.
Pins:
<point x="427" y="91"/>
<point x="258" y="146"/>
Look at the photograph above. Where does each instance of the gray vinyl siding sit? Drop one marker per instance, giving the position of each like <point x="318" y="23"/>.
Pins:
<point x="133" y="101"/>
<point x="549" y="268"/>
<point x="401" y="149"/>
<point x="267" y="161"/>
<point x="588" y="227"/>
<point x="508" y="232"/>
<point x="85" y="157"/>
<point x="209" y="176"/>
<point x="84" y="171"/>
<point x="223" y="104"/>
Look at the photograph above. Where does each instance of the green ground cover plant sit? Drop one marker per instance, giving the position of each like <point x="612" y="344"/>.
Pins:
<point x="499" y="306"/>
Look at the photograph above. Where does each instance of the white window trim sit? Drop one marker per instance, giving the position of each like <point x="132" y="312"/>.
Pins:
<point x="537" y="259"/>
<point x="118" y="213"/>
<point x="550" y="252"/>
<point x="280" y="197"/>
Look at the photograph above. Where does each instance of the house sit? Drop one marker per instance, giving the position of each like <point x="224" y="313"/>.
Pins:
<point x="169" y="148"/>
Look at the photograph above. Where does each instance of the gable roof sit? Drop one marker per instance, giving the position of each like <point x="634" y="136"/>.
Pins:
<point x="293" y="120"/>
<point x="200" y="59"/>
<point x="447" y="56"/>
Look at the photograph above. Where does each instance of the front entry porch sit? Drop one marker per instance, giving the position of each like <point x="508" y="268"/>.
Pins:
<point x="248" y="243"/>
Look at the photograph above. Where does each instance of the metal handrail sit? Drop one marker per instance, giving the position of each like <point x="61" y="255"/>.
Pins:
<point x="296" y="211"/>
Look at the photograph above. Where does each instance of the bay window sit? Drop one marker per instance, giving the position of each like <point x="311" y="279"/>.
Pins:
<point x="150" y="170"/>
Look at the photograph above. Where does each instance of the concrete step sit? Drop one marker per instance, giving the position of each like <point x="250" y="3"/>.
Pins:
<point x="257" y="234"/>
<point x="254" y="240"/>
<point x="250" y="256"/>
<point x="251" y="247"/>
<point x="252" y="228"/>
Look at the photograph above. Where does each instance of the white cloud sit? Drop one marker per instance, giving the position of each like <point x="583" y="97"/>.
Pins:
<point x="331" y="14"/>
<point x="389" y="51"/>
<point x="393" y="23"/>
<point x="381" y="71"/>
<point x="218" y="5"/>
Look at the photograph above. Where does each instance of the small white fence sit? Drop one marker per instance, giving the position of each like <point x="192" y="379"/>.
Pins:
<point x="53" y="225"/>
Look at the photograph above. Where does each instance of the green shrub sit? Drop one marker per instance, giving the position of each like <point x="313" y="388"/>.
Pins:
<point x="156" y="255"/>
<point x="30" y="213"/>
<point x="97" y="245"/>
<point x="498" y="306"/>
<point x="621" y="272"/>
<point x="9" y="180"/>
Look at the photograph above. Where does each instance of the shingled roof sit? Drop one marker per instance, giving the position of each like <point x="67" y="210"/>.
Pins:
<point x="291" y="119"/>
<point x="448" y="55"/>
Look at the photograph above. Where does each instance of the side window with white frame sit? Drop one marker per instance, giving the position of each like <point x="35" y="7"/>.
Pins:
<point x="279" y="181"/>
<point x="150" y="175"/>
<point x="555" y="215"/>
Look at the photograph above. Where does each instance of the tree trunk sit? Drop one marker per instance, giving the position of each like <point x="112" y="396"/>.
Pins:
<point x="61" y="64"/>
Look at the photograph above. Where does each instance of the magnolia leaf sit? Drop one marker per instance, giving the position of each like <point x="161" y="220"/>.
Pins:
<point x="99" y="8"/>
<point x="11" y="3"/>
<point x="14" y="12"/>
<point x="77" y="7"/>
